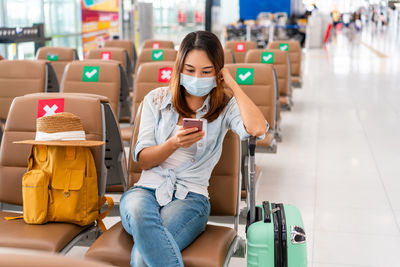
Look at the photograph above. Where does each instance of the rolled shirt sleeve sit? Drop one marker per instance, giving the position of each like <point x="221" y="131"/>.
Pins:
<point x="146" y="137"/>
<point x="235" y="122"/>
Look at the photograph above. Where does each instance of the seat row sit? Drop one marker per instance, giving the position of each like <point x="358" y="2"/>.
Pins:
<point x="107" y="78"/>
<point x="123" y="51"/>
<point x="113" y="246"/>
<point x="239" y="49"/>
<point x="261" y="86"/>
<point x="259" y="81"/>
<point x="20" y="77"/>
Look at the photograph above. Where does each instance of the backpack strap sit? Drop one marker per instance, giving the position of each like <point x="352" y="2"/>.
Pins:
<point x="99" y="220"/>
<point x="30" y="159"/>
<point x="14" y="218"/>
<point x="102" y="215"/>
<point x="42" y="151"/>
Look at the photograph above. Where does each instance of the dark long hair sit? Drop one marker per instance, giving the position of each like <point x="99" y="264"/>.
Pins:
<point x="209" y="43"/>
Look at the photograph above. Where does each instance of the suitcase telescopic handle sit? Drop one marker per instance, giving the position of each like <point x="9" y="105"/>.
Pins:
<point x="252" y="198"/>
<point x="267" y="212"/>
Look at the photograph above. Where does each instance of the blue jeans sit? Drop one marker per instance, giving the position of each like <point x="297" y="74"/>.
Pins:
<point x="161" y="233"/>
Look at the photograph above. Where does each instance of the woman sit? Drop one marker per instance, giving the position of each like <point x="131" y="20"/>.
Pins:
<point x="169" y="207"/>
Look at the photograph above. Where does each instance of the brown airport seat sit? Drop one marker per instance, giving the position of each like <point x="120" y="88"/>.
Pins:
<point x="110" y="81"/>
<point x="280" y="60"/>
<point x="228" y="56"/>
<point x="111" y="85"/>
<point x="21" y="77"/>
<point x="151" y="75"/>
<point x="261" y="88"/>
<point x="21" y="125"/>
<point x="114" y="155"/>
<point x="157" y="44"/>
<point x="259" y="85"/>
<point x="240" y="49"/>
<point x="58" y="57"/>
<point x="155" y="55"/>
<point x="294" y="50"/>
<point x="128" y="45"/>
<point x="114" y="53"/>
<point x="42" y="259"/>
<point x="115" y="245"/>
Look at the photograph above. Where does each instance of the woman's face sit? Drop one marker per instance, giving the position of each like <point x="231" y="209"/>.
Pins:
<point x="198" y="64"/>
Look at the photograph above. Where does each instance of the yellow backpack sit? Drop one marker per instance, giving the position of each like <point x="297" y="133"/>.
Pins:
<point x="61" y="186"/>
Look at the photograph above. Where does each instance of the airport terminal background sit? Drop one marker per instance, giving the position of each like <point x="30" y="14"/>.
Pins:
<point x="335" y="150"/>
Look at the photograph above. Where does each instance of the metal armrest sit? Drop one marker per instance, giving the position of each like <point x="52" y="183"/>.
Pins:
<point x="115" y="161"/>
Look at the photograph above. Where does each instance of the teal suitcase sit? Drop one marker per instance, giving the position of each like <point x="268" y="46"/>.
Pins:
<point x="275" y="232"/>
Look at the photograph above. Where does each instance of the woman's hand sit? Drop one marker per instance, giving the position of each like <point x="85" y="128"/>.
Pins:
<point x="226" y="78"/>
<point x="187" y="137"/>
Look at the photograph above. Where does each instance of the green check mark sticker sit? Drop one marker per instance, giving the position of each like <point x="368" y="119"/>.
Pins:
<point x="52" y="57"/>
<point x="267" y="57"/>
<point x="284" y="47"/>
<point x="90" y="73"/>
<point x="157" y="55"/>
<point x="245" y="75"/>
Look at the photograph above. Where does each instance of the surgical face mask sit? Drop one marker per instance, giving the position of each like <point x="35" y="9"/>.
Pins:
<point x="198" y="86"/>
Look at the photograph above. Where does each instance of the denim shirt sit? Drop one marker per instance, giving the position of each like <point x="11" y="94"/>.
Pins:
<point x="159" y="119"/>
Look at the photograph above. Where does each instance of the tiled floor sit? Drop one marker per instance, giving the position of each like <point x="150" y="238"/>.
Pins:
<point x="339" y="160"/>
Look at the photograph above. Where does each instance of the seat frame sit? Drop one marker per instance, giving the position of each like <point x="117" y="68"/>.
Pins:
<point x="124" y="101"/>
<point x="115" y="159"/>
<point x="277" y="130"/>
<point x="51" y="81"/>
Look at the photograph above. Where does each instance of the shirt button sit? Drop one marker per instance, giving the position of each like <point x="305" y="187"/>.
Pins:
<point x="200" y="144"/>
<point x="192" y="160"/>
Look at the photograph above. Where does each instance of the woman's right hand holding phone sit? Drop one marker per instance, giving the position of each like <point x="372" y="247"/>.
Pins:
<point x="153" y="156"/>
<point x="187" y="137"/>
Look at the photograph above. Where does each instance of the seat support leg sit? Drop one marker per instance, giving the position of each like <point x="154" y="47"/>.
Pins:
<point x="1" y="129"/>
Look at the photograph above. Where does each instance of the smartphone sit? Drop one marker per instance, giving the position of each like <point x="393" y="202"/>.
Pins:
<point x="192" y="123"/>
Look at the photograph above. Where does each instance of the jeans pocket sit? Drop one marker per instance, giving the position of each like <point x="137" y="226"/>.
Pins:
<point x="203" y="202"/>
<point x="207" y="207"/>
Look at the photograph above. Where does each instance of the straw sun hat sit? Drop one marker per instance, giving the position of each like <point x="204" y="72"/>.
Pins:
<point x="60" y="129"/>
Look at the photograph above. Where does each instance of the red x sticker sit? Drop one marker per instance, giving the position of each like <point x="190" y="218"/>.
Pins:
<point x="164" y="75"/>
<point x="105" y="55"/>
<point x="155" y="45"/>
<point x="240" y="47"/>
<point x="49" y="107"/>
